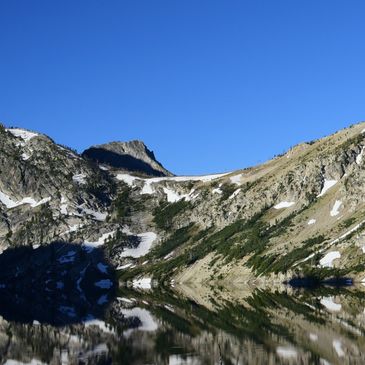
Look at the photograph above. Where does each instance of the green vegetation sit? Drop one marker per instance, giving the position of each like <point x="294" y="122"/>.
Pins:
<point x="179" y="237"/>
<point x="165" y="213"/>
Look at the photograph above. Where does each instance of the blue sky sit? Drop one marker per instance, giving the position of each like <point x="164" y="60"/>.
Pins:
<point x="209" y="85"/>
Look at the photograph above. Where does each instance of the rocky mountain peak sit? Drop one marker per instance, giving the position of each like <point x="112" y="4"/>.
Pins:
<point x="132" y="156"/>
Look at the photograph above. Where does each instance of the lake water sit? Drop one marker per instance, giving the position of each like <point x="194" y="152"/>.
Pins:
<point x="206" y="325"/>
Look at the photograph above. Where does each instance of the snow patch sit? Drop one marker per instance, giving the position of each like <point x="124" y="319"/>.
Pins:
<point x="79" y="178"/>
<point x="10" y="203"/>
<point x="89" y="246"/>
<point x="100" y="324"/>
<point x="25" y="156"/>
<point x="328" y="184"/>
<point x="360" y="156"/>
<point x="335" y="210"/>
<point x="337" y="345"/>
<point x="31" y="362"/>
<point x="144" y="283"/>
<point x="128" y="179"/>
<point x="330" y="304"/>
<point x="327" y="260"/>
<point x="313" y="337"/>
<point x="148" y="324"/>
<point x="234" y="194"/>
<point x="287" y="352"/>
<point x="148" y="188"/>
<point x="236" y="179"/>
<point x="284" y="204"/>
<point x="99" y="216"/>
<point x="26" y="136"/>
<point x="143" y="248"/>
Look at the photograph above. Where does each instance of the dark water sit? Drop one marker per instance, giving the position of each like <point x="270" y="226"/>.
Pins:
<point x="206" y="325"/>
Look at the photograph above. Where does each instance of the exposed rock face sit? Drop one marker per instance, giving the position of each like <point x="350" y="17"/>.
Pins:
<point x="131" y="156"/>
<point x="302" y="212"/>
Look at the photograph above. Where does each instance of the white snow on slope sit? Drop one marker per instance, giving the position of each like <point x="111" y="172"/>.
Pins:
<point x="143" y="248"/>
<point x="327" y="260"/>
<point x="337" y="345"/>
<point x="10" y="203"/>
<point x="79" y="178"/>
<point x="173" y="196"/>
<point x="335" y="210"/>
<point x="31" y="362"/>
<point x="128" y="179"/>
<point x="286" y="352"/>
<point x="26" y="136"/>
<point x="99" y="216"/>
<point x="217" y="191"/>
<point x="63" y="206"/>
<point x="311" y="221"/>
<point x="25" y="156"/>
<point x="330" y="304"/>
<point x="148" y="324"/>
<point x="144" y="283"/>
<point x="327" y="185"/>
<point x="183" y="360"/>
<point x="360" y="156"/>
<point x="282" y="205"/>
<point x="148" y="188"/>
<point x="236" y="179"/>
<point x="234" y="194"/>
<point x="313" y="337"/>
<point x="100" y="324"/>
<point x="91" y="245"/>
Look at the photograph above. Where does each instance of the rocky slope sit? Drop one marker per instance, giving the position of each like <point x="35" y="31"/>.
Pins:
<point x="301" y="213"/>
<point x="131" y="156"/>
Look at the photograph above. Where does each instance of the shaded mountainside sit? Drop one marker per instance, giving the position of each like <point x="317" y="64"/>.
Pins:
<point x="302" y="213"/>
<point x="131" y="156"/>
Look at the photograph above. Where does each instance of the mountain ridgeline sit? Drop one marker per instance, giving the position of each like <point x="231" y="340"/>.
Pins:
<point x="300" y="214"/>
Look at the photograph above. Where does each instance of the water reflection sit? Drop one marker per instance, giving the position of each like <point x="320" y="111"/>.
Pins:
<point x="203" y="325"/>
<point x="58" y="284"/>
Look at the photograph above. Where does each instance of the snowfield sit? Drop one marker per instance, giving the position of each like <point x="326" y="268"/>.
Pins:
<point x="144" y="283"/>
<point x="148" y="187"/>
<point x="335" y="210"/>
<point x="328" y="184"/>
<point x="10" y="203"/>
<point x="148" y="324"/>
<point x="91" y="245"/>
<point x="143" y="248"/>
<point x="282" y="205"/>
<point x="26" y="136"/>
<point x="327" y="260"/>
<point x="331" y="305"/>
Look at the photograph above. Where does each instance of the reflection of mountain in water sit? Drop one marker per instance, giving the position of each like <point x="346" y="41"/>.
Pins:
<point x="58" y="284"/>
<point x="219" y="326"/>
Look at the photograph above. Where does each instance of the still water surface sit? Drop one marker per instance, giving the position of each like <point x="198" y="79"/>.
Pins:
<point x="197" y="326"/>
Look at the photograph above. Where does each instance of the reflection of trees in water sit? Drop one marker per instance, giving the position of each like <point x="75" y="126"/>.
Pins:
<point x="261" y="327"/>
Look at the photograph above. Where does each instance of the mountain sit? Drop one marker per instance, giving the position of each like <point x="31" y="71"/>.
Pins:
<point x="131" y="156"/>
<point x="299" y="214"/>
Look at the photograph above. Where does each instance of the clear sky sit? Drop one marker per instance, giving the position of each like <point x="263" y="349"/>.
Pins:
<point x="209" y="85"/>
